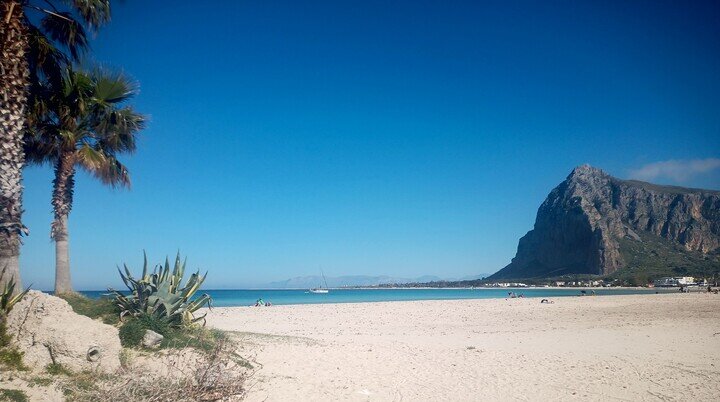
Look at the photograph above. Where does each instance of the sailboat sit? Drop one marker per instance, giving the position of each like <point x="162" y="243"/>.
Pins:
<point x="321" y="290"/>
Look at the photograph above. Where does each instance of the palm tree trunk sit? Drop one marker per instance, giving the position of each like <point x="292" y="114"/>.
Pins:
<point x="62" y="258"/>
<point x="62" y="199"/>
<point x="14" y="84"/>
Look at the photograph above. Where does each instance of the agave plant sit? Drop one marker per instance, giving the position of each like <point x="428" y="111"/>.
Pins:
<point x="8" y="298"/>
<point x="160" y="294"/>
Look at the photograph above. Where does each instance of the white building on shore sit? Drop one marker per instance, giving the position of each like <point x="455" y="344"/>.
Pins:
<point x="674" y="281"/>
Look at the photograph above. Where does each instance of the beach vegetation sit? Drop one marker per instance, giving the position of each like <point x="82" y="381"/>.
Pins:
<point x="214" y="377"/>
<point x="103" y="308"/>
<point x="75" y="384"/>
<point x="10" y="356"/>
<point x="13" y="395"/>
<point x="40" y="381"/>
<point x="72" y="382"/>
<point x="161" y="295"/>
<point x="200" y="338"/>
<point x="57" y="369"/>
<point x="11" y="359"/>
<point x="133" y="330"/>
<point x="125" y="358"/>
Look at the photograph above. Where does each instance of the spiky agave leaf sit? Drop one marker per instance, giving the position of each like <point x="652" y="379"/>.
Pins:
<point x="7" y="297"/>
<point x="162" y="295"/>
<point x="144" y="274"/>
<point x="203" y="301"/>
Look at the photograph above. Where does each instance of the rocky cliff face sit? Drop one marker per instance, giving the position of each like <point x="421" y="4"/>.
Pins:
<point x="579" y="227"/>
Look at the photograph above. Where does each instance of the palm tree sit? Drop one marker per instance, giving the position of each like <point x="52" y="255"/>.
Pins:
<point x="26" y="52"/>
<point x="81" y="122"/>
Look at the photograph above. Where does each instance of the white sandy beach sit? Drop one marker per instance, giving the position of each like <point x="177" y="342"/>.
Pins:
<point x="647" y="347"/>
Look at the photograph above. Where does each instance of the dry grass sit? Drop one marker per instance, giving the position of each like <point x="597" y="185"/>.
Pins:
<point x="212" y="376"/>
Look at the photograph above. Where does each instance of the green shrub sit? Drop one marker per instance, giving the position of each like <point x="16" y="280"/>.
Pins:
<point x="11" y="359"/>
<point x="57" y="369"/>
<point x="103" y="308"/>
<point x="133" y="330"/>
<point x="13" y="395"/>
<point x="161" y="294"/>
<point x="131" y="333"/>
<point x="203" y="339"/>
<point x="40" y="381"/>
<point x="4" y="337"/>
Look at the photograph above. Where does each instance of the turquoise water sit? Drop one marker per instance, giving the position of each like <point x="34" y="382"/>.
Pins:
<point x="247" y="297"/>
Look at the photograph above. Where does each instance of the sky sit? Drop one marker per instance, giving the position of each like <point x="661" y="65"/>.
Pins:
<point x="400" y="138"/>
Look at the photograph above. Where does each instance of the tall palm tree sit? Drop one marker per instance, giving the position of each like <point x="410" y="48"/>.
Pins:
<point x="27" y="51"/>
<point x="83" y="122"/>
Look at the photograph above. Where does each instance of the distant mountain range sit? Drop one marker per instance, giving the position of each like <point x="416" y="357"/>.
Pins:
<point x="305" y="282"/>
<point x="593" y="223"/>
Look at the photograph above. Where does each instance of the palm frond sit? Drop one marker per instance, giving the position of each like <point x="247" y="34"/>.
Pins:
<point x="115" y="173"/>
<point x="90" y="158"/>
<point x="112" y="88"/>
<point x="104" y="167"/>
<point x="66" y="31"/>
<point x="94" y="12"/>
<point x="77" y="88"/>
<point x="41" y="145"/>
<point x="39" y="110"/>
<point x="46" y="60"/>
<point x="116" y="129"/>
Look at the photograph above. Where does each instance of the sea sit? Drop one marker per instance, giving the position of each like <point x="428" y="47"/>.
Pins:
<point x="248" y="297"/>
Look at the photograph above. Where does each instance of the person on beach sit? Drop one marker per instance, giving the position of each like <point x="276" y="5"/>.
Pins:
<point x="546" y="301"/>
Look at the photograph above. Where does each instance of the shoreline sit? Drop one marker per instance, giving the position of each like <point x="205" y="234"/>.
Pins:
<point x="457" y="288"/>
<point x="419" y="288"/>
<point x="489" y="299"/>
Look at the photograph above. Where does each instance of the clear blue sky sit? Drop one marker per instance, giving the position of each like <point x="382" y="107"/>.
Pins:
<point x="401" y="138"/>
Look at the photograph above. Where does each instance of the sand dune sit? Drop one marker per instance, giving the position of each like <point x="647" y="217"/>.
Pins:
<point x="649" y="347"/>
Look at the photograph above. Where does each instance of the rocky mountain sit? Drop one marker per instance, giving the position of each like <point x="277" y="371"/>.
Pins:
<point x="593" y="223"/>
